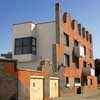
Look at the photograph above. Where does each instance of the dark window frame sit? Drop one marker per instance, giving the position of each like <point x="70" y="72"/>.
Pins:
<point x="91" y="82"/>
<point x="84" y="64"/>
<point x="34" y="46"/>
<point x="79" y="29"/>
<point x="85" y="50"/>
<point x="67" y="80"/>
<point x="76" y="43"/>
<point x="25" y="46"/>
<point x="66" y="39"/>
<point x="67" y="58"/>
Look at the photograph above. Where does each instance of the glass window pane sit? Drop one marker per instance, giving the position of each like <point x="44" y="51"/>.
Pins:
<point x="27" y="41"/>
<point x="25" y="45"/>
<point x="18" y="46"/>
<point x="18" y="42"/>
<point x="66" y="60"/>
<point x="27" y="50"/>
<point x="18" y="50"/>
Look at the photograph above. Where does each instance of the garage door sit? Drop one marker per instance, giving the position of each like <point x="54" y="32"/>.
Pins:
<point x="54" y="87"/>
<point x="36" y="88"/>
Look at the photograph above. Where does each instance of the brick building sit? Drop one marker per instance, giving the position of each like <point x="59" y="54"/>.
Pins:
<point x="97" y="69"/>
<point x="60" y="50"/>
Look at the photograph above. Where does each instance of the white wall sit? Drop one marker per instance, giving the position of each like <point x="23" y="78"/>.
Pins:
<point x="47" y="37"/>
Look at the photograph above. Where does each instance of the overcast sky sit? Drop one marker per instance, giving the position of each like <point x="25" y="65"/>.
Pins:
<point x="87" y="12"/>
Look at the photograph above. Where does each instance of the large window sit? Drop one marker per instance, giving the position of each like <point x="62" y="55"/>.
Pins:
<point x="66" y="39"/>
<point x="25" y="45"/>
<point x="66" y="60"/>
<point x="75" y="61"/>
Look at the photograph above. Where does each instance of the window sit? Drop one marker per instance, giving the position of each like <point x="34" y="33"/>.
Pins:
<point x="83" y="32"/>
<point x="66" y="60"/>
<point x="90" y="81"/>
<point x="79" y="29"/>
<point x="34" y="46"/>
<point x="75" y="61"/>
<point x="84" y="50"/>
<point x="84" y="64"/>
<point x="87" y="35"/>
<point x="67" y="81"/>
<point x="91" y="65"/>
<point x="90" y="36"/>
<point x="66" y="39"/>
<point x="91" y="53"/>
<point x="77" y="80"/>
<point x="18" y="46"/>
<point x="75" y="43"/>
<point x="25" y="45"/>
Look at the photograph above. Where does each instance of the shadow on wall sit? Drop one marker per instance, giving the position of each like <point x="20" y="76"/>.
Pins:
<point x="13" y="97"/>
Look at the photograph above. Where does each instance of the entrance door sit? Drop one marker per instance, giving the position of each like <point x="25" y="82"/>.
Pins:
<point x="54" y="88"/>
<point x="36" y="88"/>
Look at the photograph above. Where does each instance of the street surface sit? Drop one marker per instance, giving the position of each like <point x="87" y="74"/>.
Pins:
<point x="87" y="96"/>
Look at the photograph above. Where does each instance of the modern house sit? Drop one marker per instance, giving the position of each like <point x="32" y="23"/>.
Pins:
<point x="33" y="42"/>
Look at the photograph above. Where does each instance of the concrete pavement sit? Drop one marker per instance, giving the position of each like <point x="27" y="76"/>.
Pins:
<point x="95" y="95"/>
